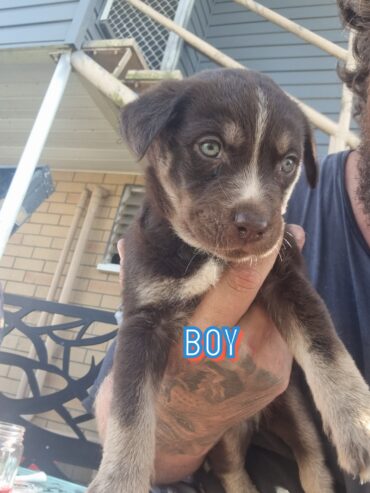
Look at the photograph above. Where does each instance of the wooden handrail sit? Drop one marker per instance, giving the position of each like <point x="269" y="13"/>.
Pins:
<point x="294" y="28"/>
<point x="109" y="85"/>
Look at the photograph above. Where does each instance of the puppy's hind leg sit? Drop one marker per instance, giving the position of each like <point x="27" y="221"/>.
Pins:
<point x="227" y="459"/>
<point x="129" y="446"/>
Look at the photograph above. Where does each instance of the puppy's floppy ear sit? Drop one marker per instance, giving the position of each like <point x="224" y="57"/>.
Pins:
<point x="144" y="119"/>
<point x="310" y="156"/>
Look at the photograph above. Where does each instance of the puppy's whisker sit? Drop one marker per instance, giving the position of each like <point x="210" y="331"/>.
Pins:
<point x="286" y="242"/>
<point x="190" y="261"/>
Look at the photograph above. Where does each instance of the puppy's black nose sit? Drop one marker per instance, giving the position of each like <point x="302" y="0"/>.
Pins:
<point x="250" y="225"/>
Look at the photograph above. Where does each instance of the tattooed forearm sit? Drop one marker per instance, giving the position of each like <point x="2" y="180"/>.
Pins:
<point x="200" y="401"/>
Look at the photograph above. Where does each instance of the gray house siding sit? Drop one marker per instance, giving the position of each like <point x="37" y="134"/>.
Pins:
<point x="30" y="22"/>
<point x="301" y="69"/>
<point x="48" y="22"/>
<point x="94" y="31"/>
<point x="198" y="24"/>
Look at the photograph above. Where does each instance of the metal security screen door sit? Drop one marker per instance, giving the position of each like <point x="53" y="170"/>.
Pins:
<point x="122" y="20"/>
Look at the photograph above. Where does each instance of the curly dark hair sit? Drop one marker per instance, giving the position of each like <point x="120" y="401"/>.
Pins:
<point x="356" y="15"/>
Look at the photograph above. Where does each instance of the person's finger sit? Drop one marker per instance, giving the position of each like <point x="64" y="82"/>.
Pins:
<point x="298" y="233"/>
<point x="227" y="302"/>
<point x="121" y="249"/>
<point x="121" y="253"/>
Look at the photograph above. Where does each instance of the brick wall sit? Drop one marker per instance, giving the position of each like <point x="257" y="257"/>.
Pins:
<point x="31" y="258"/>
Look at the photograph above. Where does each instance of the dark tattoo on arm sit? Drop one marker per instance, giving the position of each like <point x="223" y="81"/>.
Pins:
<point x="199" y="402"/>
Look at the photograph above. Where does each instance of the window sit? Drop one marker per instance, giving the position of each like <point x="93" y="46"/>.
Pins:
<point x="131" y="200"/>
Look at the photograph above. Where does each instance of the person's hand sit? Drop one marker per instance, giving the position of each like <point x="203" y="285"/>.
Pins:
<point x="198" y="402"/>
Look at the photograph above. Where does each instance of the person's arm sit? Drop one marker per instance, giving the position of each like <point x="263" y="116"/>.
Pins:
<point x="198" y="402"/>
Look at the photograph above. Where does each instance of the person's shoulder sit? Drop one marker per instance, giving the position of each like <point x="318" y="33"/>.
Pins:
<point x="305" y="200"/>
<point x="330" y="168"/>
<point x="332" y="165"/>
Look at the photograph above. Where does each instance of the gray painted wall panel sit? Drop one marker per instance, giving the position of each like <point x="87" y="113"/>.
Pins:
<point x="301" y="69"/>
<point x="240" y="28"/>
<point x="198" y="24"/>
<point x="38" y="14"/>
<point x="36" y="22"/>
<point x="43" y="33"/>
<point x="14" y="4"/>
<point x="290" y="9"/>
<point x="40" y="22"/>
<point x="276" y="38"/>
<point x="278" y="3"/>
<point x="94" y="31"/>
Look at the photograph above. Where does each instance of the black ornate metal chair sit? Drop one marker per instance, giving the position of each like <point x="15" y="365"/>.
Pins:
<point x="43" y="447"/>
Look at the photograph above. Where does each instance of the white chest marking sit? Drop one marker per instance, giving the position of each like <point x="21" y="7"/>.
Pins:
<point x="202" y="280"/>
<point x="157" y="290"/>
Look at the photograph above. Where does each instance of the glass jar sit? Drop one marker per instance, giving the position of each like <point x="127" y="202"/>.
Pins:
<point x="11" y="450"/>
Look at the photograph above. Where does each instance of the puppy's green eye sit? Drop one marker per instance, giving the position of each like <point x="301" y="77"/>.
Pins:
<point x="288" y="165"/>
<point x="210" y="148"/>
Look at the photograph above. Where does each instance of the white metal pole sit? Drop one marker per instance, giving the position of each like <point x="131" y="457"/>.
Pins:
<point x="33" y="149"/>
<point x="294" y="28"/>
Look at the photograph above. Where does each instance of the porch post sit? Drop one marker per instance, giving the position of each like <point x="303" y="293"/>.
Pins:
<point x="33" y="149"/>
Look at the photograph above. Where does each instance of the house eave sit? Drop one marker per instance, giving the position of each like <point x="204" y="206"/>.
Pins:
<point x="81" y="137"/>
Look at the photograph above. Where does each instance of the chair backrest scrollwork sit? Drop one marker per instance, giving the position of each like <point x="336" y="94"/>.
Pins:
<point x="45" y="447"/>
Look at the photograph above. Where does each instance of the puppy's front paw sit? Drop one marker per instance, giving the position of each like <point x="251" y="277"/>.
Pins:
<point x="103" y="484"/>
<point x="94" y="487"/>
<point x="119" y="482"/>
<point x="98" y="486"/>
<point x="352" y="439"/>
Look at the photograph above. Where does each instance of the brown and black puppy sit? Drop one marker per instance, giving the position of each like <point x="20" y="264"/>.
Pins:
<point x="224" y="150"/>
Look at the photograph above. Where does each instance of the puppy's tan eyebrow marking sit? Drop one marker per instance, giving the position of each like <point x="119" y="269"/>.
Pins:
<point x="233" y="133"/>
<point x="283" y="143"/>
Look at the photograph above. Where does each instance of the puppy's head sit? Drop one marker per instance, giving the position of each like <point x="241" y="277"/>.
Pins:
<point x="224" y="150"/>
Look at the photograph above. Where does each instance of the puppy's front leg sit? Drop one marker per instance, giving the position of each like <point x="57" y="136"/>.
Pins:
<point x="339" y="391"/>
<point x="128" y="455"/>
